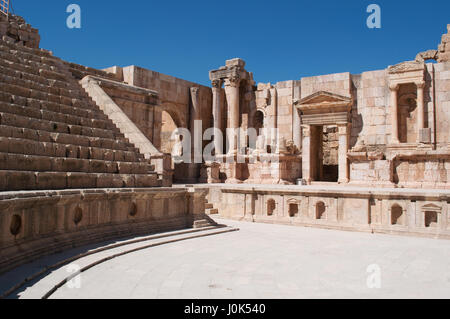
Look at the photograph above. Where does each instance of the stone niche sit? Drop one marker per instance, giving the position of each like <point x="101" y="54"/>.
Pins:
<point x="416" y="212"/>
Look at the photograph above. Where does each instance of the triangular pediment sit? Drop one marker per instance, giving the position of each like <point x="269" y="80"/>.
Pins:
<point x="323" y="97"/>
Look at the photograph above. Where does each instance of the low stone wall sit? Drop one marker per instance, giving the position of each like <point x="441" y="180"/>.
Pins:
<point x="395" y="211"/>
<point x="35" y="224"/>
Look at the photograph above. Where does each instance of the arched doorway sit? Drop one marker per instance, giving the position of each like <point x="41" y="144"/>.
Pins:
<point x="258" y="121"/>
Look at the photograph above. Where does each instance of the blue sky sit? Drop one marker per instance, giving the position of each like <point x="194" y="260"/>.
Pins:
<point x="280" y="40"/>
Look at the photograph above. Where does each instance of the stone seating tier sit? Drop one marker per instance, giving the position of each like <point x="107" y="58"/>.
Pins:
<point x="52" y="135"/>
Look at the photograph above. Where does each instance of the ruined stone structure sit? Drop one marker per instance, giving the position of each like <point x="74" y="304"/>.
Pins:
<point x="77" y="159"/>
<point x="86" y="154"/>
<point x="374" y="148"/>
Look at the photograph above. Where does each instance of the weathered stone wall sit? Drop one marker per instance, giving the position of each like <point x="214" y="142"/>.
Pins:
<point x="276" y="103"/>
<point x="442" y="75"/>
<point x="33" y="225"/>
<point x="444" y="47"/>
<point x="371" y="123"/>
<point x="174" y="93"/>
<point x="352" y="209"/>
<point x="19" y="30"/>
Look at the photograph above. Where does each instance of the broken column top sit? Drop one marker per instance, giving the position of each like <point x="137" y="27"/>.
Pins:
<point x="235" y="62"/>
<point x="233" y="69"/>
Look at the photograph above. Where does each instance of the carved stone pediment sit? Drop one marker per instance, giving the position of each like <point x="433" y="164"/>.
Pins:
<point x="408" y="66"/>
<point x="325" y="102"/>
<point x="431" y="207"/>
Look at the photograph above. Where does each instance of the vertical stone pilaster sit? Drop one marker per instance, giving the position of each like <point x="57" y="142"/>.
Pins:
<point x="394" y="113"/>
<point x="420" y="109"/>
<point x="217" y="114"/>
<point x="297" y="129"/>
<point x="306" y="154"/>
<point x="343" y="149"/>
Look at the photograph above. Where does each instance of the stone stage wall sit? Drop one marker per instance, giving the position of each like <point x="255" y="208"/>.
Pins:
<point x="394" y="211"/>
<point x="38" y="223"/>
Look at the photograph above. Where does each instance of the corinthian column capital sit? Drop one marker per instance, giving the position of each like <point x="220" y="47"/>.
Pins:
<point x="394" y="86"/>
<point x="420" y="84"/>
<point x="233" y="81"/>
<point x="217" y="84"/>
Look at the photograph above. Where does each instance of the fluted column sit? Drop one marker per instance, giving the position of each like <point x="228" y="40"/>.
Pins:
<point x="420" y="108"/>
<point x="232" y="92"/>
<point x="217" y="114"/>
<point x="394" y="113"/>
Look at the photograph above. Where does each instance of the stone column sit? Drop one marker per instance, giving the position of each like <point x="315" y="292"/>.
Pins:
<point x="217" y="114"/>
<point x="196" y="132"/>
<point x="297" y="129"/>
<point x="343" y="149"/>
<point x="394" y="113"/>
<point x="306" y="154"/>
<point x="232" y="92"/>
<point x="420" y="109"/>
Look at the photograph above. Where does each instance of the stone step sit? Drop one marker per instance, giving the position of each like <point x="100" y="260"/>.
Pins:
<point x="39" y="86"/>
<point x="82" y="103"/>
<point x="65" y="139"/>
<point x="203" y="223"/>
<point x="33" y="147"/>
<point x="40" y="163"/>
<point x="28" y="180"/>
<point x="212" y="211"/>
<point x="25" y="60"/>
<point x="80" y="71"/>
<point x="58" y="127"/>
<point x="44" y="114"/>
<point x="11" y="43"/>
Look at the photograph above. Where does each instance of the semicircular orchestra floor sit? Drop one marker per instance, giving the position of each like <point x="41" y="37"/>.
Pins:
<point x="267" y="261"/>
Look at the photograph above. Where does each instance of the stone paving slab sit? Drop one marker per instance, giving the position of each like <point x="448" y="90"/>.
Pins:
<point x="58" y="266"/>
<point x="274" y="261"/>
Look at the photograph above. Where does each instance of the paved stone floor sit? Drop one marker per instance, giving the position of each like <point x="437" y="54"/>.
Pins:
<point x="275" y="261"/>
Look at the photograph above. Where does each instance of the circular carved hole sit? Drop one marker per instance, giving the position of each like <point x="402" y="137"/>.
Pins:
<point x="16" y="225"/>
<point x="133" y="210"/>
<point x="78" y="216"/>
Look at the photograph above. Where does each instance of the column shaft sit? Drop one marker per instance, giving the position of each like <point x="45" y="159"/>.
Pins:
<point x="232" y="92"/>
<point x="297" y="129"/>
<point x="343" y="149"/>
<point x="394" y="114"/>
<point x="306" y="154"/>
<point x="420" y="109"/>
<point x="217" y="116"/>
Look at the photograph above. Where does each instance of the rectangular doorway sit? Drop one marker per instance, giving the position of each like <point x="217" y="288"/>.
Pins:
<point x="325" y="153"/>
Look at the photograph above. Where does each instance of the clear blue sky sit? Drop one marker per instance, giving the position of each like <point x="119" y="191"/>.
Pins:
<point x="279" y="39"/>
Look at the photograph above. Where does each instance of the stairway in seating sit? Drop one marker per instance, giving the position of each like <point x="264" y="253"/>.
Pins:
<point x="52" y="135"/>
<point x="209" y="208"/>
